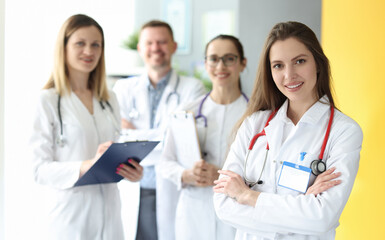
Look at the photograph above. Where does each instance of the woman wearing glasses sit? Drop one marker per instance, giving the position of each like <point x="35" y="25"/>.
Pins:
<point x="290" y="134"/>
<point x="216" y="114"/>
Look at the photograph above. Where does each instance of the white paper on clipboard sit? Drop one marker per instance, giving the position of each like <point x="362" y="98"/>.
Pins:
<point x="184" y="132"/>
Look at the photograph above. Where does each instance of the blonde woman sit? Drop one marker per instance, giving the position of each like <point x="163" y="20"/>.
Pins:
<point x="76" y="120"/>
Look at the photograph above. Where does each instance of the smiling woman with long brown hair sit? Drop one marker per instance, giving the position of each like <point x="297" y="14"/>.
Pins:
<point x="292" y="165"/>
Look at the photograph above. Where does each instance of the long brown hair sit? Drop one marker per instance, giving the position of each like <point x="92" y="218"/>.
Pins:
<point x="59" y="76"/>
<point x="265" y="94"/>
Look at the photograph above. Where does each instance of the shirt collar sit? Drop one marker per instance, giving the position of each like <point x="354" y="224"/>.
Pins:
<point x="161" y="84"/>
<point x="311" y="116"/>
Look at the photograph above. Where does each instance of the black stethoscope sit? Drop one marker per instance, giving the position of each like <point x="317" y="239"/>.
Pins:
<point x="200" y="115"/>
<point x="60" y="141"/>
<point x="134" y="113"/>
<point x="317" y="166"/>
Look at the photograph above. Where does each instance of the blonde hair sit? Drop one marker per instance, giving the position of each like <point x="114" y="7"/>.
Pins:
<point x="59" y="76"/>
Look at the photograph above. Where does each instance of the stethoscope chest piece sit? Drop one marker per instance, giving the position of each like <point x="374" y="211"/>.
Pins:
<point x="317" y="167"/>
<point x="60" y="141"/>
<point x="134" y="113"/>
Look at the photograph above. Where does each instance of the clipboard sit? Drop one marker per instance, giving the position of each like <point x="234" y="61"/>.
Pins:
<point x="104" y="170"/>
<point x="184" y="131"/>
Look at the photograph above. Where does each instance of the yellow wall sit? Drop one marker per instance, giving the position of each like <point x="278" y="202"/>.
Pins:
<point x="353" y="37"/>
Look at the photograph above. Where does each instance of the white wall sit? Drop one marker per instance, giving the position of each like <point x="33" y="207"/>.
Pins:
<point x="30" y="33"/>
<point x="198" y="9"/>
<point x="257" y="17"/>
<point x="252" y="21"/>
<point x="1" y="119"/>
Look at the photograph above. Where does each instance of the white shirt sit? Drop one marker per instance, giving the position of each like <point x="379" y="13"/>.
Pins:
<point x="281" y="213"/>
<point x="87" y="212"/>
<point x="195" y="217"/>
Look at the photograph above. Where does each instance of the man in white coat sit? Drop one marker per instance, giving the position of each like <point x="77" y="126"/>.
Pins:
<point x="146" y="103"/>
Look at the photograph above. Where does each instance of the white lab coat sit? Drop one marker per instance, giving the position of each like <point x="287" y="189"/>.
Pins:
<point x="135" y="89"/>
<point x="87" y="212"/>
<point x="195" y="217"/>
<point x="281" y="213"/>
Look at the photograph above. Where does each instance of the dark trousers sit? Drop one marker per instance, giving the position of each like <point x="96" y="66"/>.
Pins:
<point x="147" y="228"/>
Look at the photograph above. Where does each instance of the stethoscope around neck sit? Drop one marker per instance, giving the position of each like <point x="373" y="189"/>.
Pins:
<point x="60" y="141"/>
<point x="317" y="166"/>
<point x="134" y="113"/>
<point x="174" y="92"/>
<point x="201" y="116"/>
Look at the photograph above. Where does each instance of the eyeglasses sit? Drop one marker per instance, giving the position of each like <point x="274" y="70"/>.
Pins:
<point x="228" y="60"/>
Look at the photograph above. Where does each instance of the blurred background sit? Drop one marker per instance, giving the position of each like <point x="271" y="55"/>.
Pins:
<point x="352" y="34"/>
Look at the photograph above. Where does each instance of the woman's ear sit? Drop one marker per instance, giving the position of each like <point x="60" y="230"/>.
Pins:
<point x="243" y="63"/>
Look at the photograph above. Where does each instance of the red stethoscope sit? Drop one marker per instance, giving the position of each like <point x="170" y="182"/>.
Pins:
<point x="317" y="166"/>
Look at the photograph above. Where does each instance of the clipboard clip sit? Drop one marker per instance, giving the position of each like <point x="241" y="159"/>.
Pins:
<point x="185" y="114"/>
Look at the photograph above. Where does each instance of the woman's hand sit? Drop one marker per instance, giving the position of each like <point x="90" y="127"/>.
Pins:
<point x="233" y="185"/>
<point x="324" y="182"/>
<point x="87" y="164"/>
<point x="133" y="174"/>
<point x="127" y="124"/>
<point x="203" y="174"/>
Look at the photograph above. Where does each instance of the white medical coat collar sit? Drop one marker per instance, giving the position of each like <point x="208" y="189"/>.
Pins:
<point x="241" y="98"/>
<point x="164" y="80"/>
<point x="274" y="131"/>
<point x="144" y="81"/>
<point x="311" y="116"/>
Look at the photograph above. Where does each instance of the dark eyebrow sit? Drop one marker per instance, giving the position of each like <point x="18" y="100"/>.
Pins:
<point x="226" y="54"/>
<point x="294" y="58"/>
<point x="299" y="56"/>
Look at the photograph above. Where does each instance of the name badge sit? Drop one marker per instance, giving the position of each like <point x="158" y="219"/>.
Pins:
<point x="294" y="177"/>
